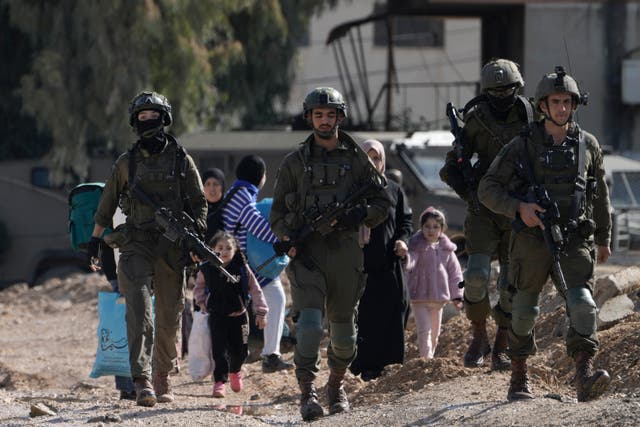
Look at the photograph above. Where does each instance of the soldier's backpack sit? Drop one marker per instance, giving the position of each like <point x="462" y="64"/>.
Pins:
<point x="83" y="203"/>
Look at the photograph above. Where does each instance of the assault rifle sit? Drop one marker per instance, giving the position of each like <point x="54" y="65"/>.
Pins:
<point x="464" y="163"/>
<point x="323" y="220"/>
<point x="175" y="230"/>
<point x="552" y="232"/>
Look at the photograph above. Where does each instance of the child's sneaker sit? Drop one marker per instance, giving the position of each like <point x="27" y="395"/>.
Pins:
<point x="236" y="381"/>
<point x="218" y="389"/>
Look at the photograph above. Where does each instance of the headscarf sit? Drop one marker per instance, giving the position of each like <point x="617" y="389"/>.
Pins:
<point x="364" y="233"/>
<point x="214" y="173"/>
<point x="374" y="144"/>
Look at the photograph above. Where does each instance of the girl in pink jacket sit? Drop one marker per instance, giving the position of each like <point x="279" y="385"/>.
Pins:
<point x="433" y="274"/>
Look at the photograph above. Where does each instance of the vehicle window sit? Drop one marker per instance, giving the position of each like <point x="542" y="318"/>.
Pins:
<point x="430" y="168"/>
<point x="622" y="186"/>
<point x="633" y="178"/>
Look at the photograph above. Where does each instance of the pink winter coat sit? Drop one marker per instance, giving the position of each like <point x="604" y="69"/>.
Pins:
<point x="433" y="271"/>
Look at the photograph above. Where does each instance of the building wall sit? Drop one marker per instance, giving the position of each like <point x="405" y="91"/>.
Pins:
<point x="459" y="60"/>
<point x="582" y="27"/>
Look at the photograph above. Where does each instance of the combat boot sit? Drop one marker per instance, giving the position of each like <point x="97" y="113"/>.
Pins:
<point x="590" y="383"/>
<point x="162" y="386"/>
<point x="273" y="363"/>
<point x="145" y="396"/>
<point x="519" y="388"/>
<point x="479" y="347"/>
<point x="499" y="359"/>
<point x="310" y="408"/>
<point x="336" y="396"/>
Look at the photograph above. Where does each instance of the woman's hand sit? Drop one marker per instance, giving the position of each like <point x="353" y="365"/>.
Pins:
<point x="261" y="321"/>
<point x="400" y="248"/>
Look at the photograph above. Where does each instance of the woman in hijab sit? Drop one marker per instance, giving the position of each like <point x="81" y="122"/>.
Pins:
<point x="214" y="188"/>
<point x="383" y="308"/>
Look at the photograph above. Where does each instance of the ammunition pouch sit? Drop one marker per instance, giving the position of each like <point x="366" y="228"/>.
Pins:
<point x="586" y="228"/>
<point x="119" y="238"/>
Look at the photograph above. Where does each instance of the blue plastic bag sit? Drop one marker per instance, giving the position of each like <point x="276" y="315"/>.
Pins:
<point x="258" y="251"/>
<point x="112" y="356"/>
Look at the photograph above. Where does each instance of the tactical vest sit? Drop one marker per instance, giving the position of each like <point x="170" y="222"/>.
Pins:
<point x="495" y="133"/>
<point x="556" y="168"/>
<point x="160" y="177"/>
<point x="328" y="175"/>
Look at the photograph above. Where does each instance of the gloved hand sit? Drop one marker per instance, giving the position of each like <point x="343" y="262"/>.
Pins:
<point x="282" y="247"/>
<point x="353" y="217"/>
<point x="93" y="247"/>
<point x="452" y="176"/>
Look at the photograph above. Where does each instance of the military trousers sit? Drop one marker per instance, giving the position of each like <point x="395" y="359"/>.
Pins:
<point x="530" y="268"/>
<point x="327" y="276"/>
<point x="488" y="234"/>
<point x="141" y="274"/>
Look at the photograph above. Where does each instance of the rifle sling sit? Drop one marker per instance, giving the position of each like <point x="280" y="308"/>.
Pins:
<point x="581" y="181"/>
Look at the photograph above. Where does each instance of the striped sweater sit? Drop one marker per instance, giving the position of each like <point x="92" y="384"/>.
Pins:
<point x="241" y="209"/>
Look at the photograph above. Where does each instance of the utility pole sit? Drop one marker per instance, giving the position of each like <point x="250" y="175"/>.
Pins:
<point x="390" y="72"/>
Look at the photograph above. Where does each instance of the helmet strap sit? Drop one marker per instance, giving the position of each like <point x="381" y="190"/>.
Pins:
<point x="547" y="116"/>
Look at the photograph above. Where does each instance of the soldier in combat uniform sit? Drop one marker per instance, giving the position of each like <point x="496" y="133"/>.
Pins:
<point x="491" y="120"/>
<point x="149" y="263"/>
<point x="326" y="272"/>
<point x="567" y="162"/>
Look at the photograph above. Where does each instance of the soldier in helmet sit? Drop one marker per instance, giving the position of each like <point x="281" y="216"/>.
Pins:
<point x="558" y="157"/>
<point x="491" y="121"/>
<point x="326" y="271"/>
<point x="149" y="263"/>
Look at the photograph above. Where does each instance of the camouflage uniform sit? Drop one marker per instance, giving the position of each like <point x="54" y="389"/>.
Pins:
<point x="328" y="272"/>
<point x="149" y="263"/>
<point x="582" y="197"/>
<point x="485" y="132"/>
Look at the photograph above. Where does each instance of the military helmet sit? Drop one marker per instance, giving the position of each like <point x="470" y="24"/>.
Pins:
<point x="500" y="73"/>
<point x="559" y="82"/>
<point x="150" y="101"/>
<point x="324" y="97"/>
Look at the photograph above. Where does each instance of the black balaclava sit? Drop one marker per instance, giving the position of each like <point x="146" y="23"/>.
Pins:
<point x="502" y="105"/>
<point x="251" y="169"/>
<point x="151" y="133"/>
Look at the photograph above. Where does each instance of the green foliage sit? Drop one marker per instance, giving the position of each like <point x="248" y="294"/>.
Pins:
<point x="213" y="59"/>
<point x="19" y="138"/>
<point x="259" y="82"/>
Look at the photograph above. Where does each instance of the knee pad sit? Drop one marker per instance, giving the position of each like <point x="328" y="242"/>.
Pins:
<point x="582" y="310"/>
<point x="343" y="339"/>
<point x="524" y="312"/>
<point x="476" y="277"/>
<point x="309" y="332"/>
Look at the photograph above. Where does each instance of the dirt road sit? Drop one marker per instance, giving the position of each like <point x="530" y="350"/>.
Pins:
<point x="48" y="343"/>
